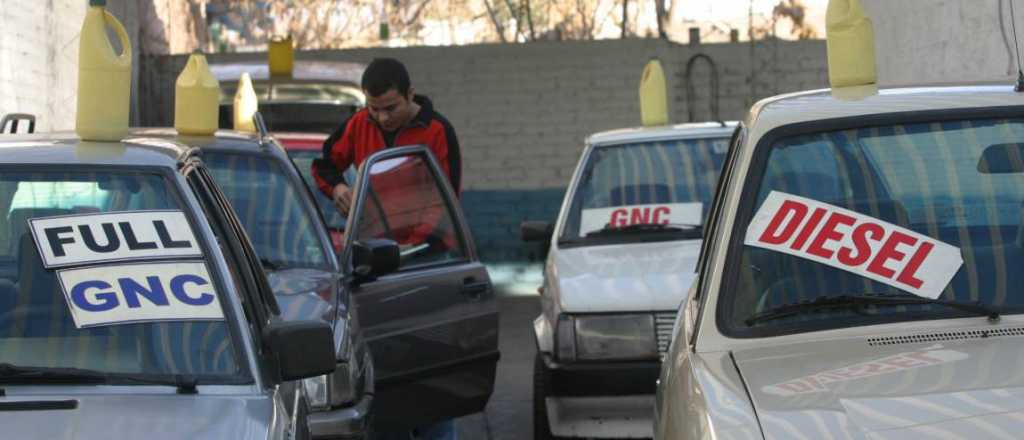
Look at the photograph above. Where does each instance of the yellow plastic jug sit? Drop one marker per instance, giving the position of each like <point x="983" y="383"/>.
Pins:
<point x="104" y="77"/>
<point x="246" y="104"/>
<point x="851" y="44"/>
<point x="653" y="102"/>
<point x="281" y="56"/>
<point x="196" y="98"/>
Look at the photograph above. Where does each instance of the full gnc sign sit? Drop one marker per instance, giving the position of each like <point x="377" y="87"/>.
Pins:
<point x="130" y="293"/>
<point x="854" y="242"/>
<point x="116" y="236"/>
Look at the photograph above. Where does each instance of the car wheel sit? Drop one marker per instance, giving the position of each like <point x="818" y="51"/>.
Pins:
<point x="541" y="386"/>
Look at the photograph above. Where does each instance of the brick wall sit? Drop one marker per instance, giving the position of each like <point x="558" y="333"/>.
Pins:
<point x="522" y="111"/>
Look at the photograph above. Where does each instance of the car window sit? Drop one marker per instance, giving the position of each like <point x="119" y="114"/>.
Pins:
<point x="666" y="182"/>
<point x="269" y="205"/>
<point x="404" y="203"/>
<point x="304" y="162"/>
<point x="914" y="200"/>
<point x="65" y="304"/>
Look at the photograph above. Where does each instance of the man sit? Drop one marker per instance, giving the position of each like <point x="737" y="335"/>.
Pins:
<point x="394" y="116"/>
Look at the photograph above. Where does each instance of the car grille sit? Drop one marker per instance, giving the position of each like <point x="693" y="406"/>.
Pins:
<point x="663" y="323"/>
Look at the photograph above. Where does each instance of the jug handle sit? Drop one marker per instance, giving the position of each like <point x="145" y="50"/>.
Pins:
<point x="122" y="34"/>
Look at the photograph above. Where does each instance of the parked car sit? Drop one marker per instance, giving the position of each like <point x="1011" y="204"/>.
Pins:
<point x="132" y="303"/>
<point x="303" y="148"/>
<point x="316" y="98"/>
<point x="621" y="259"/>
<point x="283" y="223"/>
<point x="860" y="274"/>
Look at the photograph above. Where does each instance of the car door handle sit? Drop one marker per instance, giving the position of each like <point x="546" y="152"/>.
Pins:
<point x="475" y="289"/>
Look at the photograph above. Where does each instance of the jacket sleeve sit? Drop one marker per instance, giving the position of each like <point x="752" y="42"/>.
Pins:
<point x="338" y="154"/>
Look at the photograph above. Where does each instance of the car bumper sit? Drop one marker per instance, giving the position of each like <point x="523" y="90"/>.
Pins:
<point x="602" y="400"/>
<point x="351" y="422"/>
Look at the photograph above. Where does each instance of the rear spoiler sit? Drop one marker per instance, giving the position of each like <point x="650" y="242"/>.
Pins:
<point x="13" y="119"/>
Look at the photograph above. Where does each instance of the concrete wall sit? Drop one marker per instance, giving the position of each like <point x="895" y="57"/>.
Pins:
<point x="522" y="111"/>
<point x="929" y="41"/>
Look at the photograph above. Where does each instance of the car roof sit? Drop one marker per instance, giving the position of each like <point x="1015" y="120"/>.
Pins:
<point x="819" y="105"/>
<point x="223" y="140"/>
<point x="697" y="130"/>
<point x="333" y="71"/>
<point x="66" y="148"/>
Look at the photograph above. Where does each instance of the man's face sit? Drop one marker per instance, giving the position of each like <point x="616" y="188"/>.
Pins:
<point x="391" y="110"/>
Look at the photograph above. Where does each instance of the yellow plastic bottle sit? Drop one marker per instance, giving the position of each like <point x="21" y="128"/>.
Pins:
<point x="653" y="100"/>
<point x="246" y="105"/>
<point x="196" y="98"/>
<point x="104" y="77"/>
<point x="851" y="44"/>
<point x="281" y="56"/>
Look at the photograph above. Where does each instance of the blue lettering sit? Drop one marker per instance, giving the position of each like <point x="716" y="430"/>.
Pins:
<point x="178" y="289"/>
<point x="108" y="299"/>
<point x="131" y="291"/>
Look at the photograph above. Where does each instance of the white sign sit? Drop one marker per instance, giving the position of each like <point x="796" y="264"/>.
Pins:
<point x="854" y="242"/>
<point x="123" y="294"/>
<point x="115" y="236"/>
<point x="619" y="216"/>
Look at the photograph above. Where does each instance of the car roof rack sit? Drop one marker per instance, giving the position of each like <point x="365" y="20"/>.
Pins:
<point x="13" y="119"/>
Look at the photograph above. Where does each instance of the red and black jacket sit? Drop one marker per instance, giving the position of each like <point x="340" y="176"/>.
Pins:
<point x="360" y="136"/>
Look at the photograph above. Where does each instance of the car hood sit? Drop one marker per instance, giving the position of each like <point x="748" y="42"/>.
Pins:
<point x="625" y="277"/>
<point x="884" y="389"/>
<point x="304" y="294"/>
<point x="152" y="417"/>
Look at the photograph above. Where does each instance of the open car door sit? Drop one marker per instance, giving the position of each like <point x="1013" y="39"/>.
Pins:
<point x="432" y="324"/>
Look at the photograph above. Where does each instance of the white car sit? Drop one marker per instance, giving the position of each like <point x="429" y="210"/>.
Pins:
<point x="861" y="274"/>
<point x="621" y="259"/>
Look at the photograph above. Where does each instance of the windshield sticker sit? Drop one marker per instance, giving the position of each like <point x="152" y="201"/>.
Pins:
<point x="130" y="293"/>
<point x="854" y="242"/>
<point x="658" y="214"/>
<point x="116" y="236"/>
<point x="817" y="382"/>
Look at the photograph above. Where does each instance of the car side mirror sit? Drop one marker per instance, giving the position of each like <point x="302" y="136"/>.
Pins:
<point x="301" y="349"/>
<point x="536" y="231"/>
<point x="375" y="257"/>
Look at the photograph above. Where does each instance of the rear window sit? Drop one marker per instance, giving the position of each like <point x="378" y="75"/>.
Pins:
<point x="951" y="186"/>
<point x="68" y="301"/>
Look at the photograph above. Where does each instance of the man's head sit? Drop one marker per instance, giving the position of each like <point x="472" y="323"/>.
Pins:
<point x="388" y="93"/>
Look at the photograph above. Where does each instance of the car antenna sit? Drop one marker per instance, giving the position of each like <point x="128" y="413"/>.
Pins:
<point x="1019" y="87"/>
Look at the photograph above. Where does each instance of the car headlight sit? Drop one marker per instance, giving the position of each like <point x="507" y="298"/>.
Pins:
<point x="316" y="391"/>
<point x="337" y="388"/>
<point x="607" y="337"/>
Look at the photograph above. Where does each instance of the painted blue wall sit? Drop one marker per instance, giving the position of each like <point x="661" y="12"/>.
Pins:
<point x="495" y="215"/>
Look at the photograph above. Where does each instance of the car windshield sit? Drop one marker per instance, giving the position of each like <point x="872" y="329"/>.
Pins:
<point x="345" y="94"/>
<point x="304" y="161"/>
<point x="644" y="191"/>
<point x="270" y="206"/>
<point x="66" y="302"/>
<point x="928" y="210"/>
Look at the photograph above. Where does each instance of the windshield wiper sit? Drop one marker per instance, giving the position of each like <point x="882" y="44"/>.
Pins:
<point x="647" y="227"/>
<point x="858" y="301"/>
<point x="10" y="373"/>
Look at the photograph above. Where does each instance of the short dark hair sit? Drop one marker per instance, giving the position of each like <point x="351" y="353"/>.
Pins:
<point x="384" y="74"/>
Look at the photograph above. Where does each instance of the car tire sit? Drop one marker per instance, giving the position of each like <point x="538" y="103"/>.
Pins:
<point x="541" y="387"/>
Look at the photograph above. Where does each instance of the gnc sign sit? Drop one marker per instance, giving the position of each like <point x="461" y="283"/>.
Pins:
<point x="854" y="242"/>
<point x="661" y="214"/>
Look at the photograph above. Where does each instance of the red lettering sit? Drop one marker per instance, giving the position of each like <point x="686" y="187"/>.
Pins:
<point x="907" y="275"/>
<point x="772" y="235"/>
<point x="889" y="252"/>
<point x="662" y="210"/>
<point x="619" y="217"/>
<point x="860" y="240"/>
<point x="640" y="216"/>
<point x="812" y="223"/>
<point x="828" y="233"/>
<point x="923" y="356"/>
<point x="902" y="362"/>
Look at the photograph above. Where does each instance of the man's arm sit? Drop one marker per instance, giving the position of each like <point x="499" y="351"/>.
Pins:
<point x="329" y="169"/>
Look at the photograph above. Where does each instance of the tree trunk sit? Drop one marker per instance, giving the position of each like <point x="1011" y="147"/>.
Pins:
<point x="625" y="18"/>
<point x="529" y="20"/>
<point x="659" y="8"/>
<point x="494" y="19"/>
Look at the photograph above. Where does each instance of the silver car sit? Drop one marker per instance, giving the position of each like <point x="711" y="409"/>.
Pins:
<point x="133" y="305"/>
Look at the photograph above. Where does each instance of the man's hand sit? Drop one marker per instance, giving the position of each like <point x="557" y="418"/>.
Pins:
<point x="342" y="198"/>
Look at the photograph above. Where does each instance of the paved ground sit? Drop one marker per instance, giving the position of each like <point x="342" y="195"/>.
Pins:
<point x="509" y="413"/>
